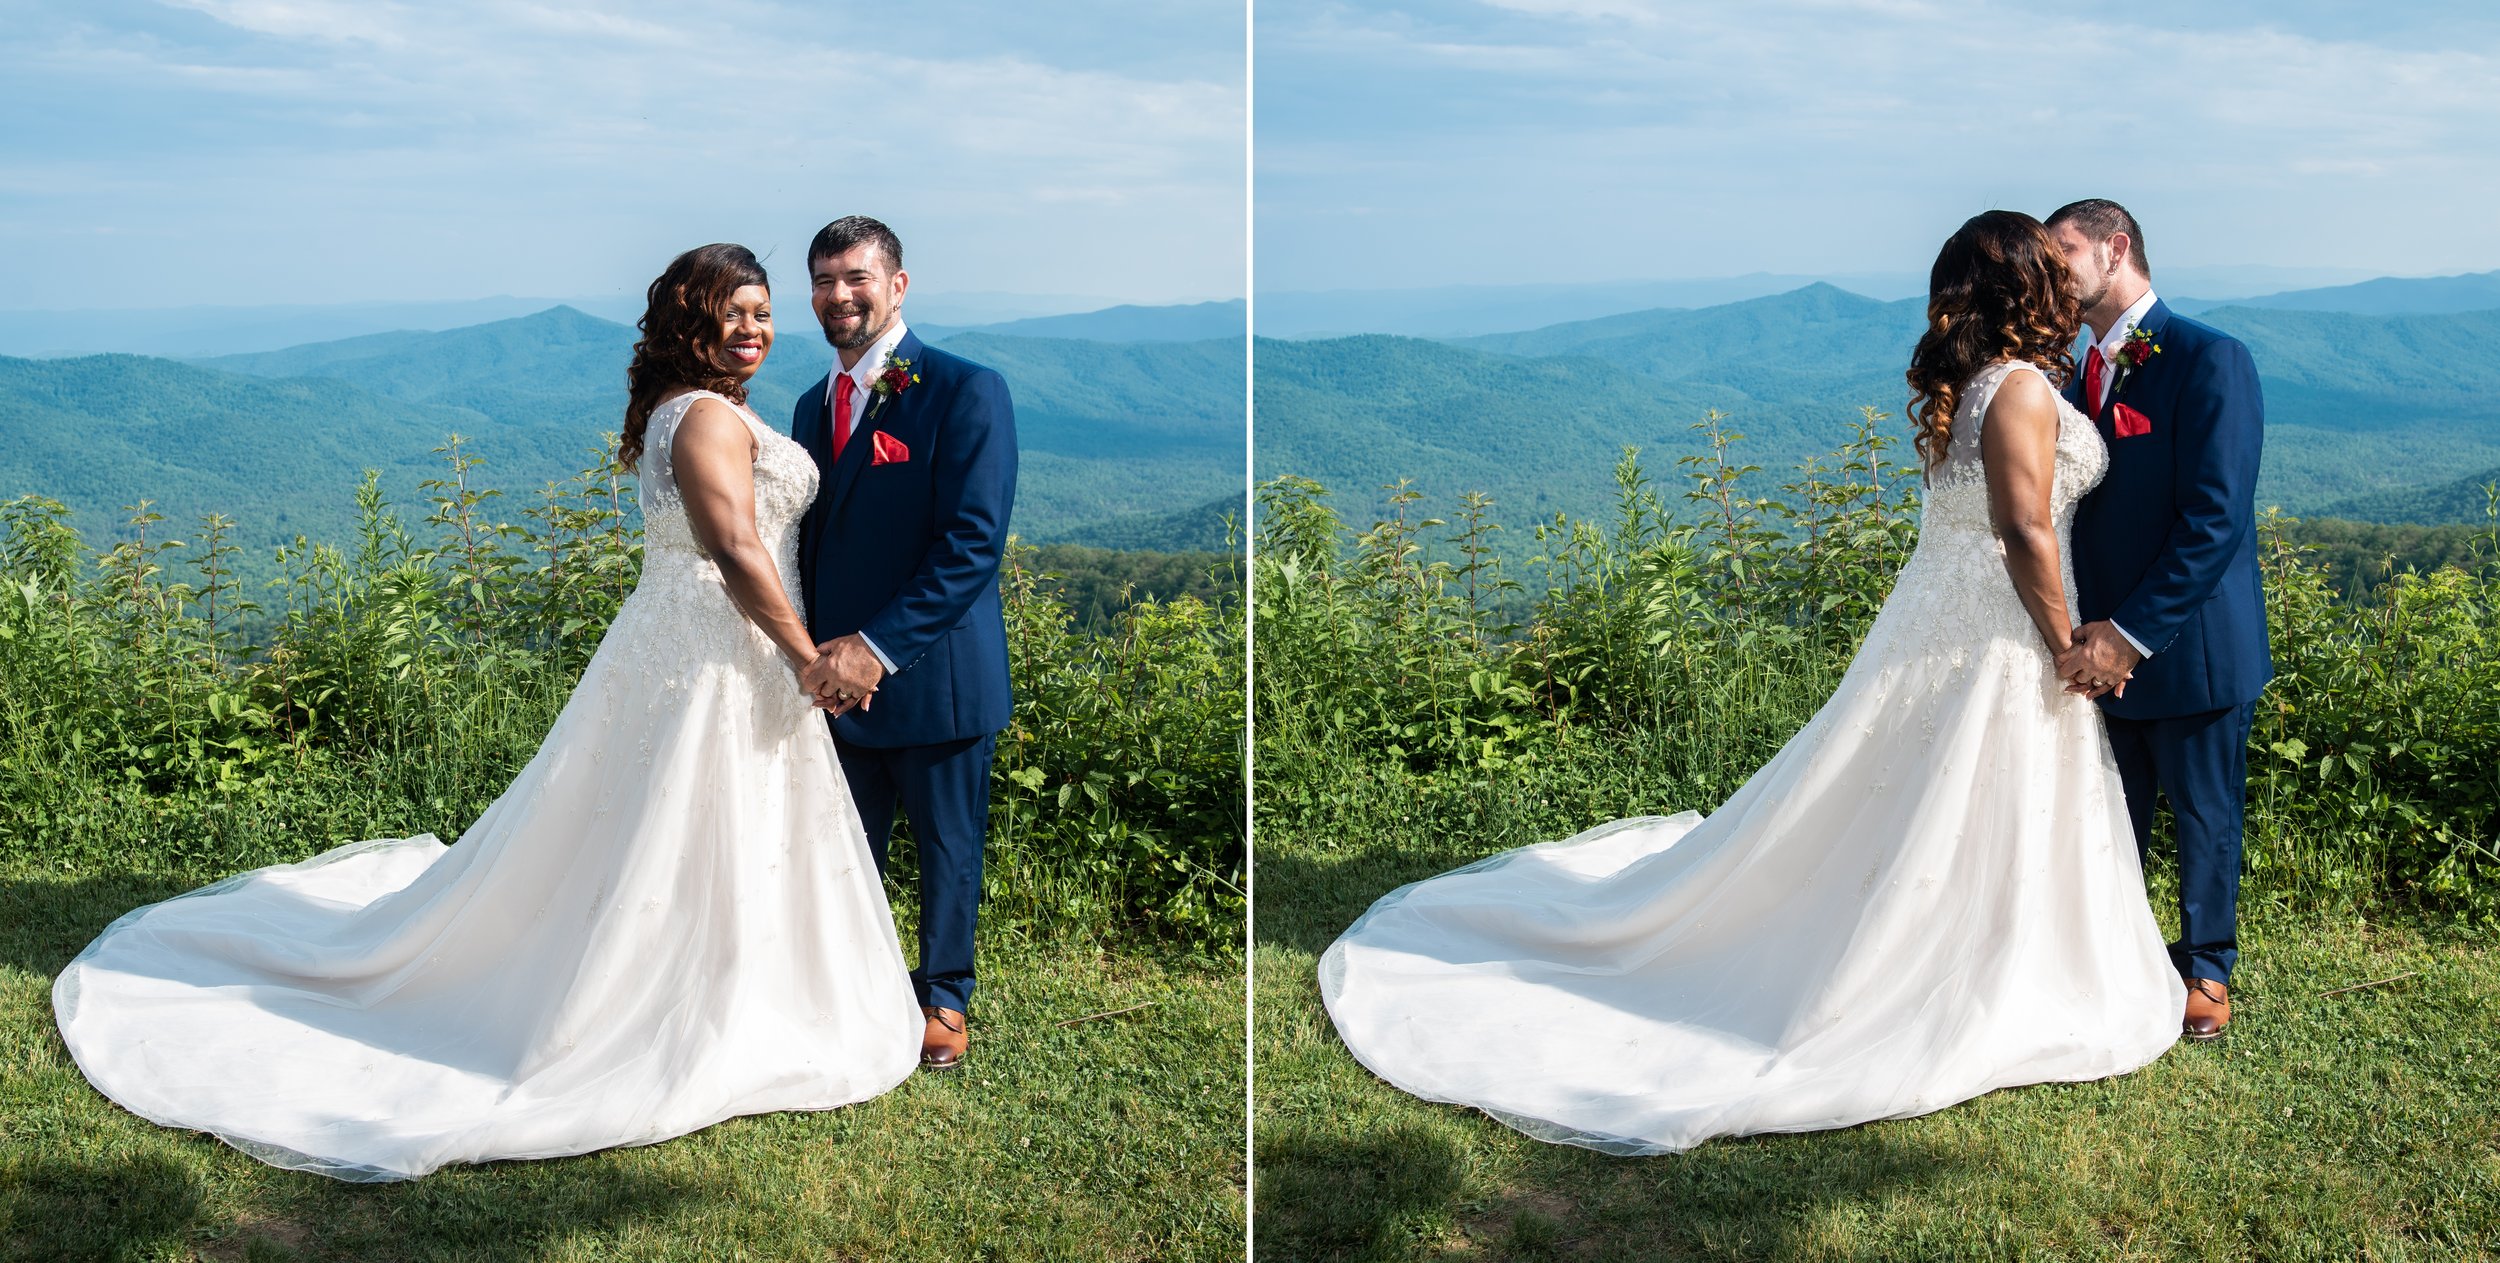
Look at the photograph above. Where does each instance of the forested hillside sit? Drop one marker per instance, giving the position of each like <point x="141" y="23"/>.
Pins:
<point x="1133" y="445"/>
<point x="2393" y="418"/>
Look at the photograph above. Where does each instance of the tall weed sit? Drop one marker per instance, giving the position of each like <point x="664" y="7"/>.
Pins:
<point x="1696" y="631"/>
<point x="405" y="677"/>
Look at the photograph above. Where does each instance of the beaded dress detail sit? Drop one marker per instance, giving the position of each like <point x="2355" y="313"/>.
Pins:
<point x="1932" y="891"/>
<point x="669" y="918"/>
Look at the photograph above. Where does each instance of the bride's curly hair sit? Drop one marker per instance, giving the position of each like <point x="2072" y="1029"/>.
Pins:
<point x="2000" y="290"/>
<point x="681" y="343"/>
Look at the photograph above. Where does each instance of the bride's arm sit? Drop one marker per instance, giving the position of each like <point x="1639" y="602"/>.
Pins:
<point x="2018" y="445"/>
<point x="712" y="456"/>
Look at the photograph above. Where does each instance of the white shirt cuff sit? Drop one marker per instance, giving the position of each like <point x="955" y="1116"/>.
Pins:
<point x="888" y="663"/>
<point x="2122" y="632"/>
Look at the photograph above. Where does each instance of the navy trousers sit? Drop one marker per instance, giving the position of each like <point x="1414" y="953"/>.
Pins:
<point x="2200" y="764"/>
<point x="945" y="792"/>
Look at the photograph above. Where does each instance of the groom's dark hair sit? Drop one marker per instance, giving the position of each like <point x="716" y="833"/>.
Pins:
<point x="851" y="230"/>
<point x="2100" y="219"/>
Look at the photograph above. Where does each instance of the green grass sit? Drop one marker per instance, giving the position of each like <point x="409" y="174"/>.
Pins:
<point x="1116" y="1138"/>
<point x="2353" y="1126"/>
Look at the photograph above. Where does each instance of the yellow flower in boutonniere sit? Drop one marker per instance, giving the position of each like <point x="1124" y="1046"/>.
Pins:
<point x="2133" y="354"/>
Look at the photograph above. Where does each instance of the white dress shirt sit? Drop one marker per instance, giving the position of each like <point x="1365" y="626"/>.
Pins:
<point x="2117" y="336"/>
<point x="863" y="376"/>
<point x="2109" y="344"/>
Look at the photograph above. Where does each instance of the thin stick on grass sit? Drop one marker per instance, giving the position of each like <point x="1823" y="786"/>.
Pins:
<point x="1105" y="1013"/>
<point x="2360" y="986"/>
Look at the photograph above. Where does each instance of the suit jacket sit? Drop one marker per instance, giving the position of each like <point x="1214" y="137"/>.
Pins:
<point x="2166" y="546"/>
<point x="907" y="550"/>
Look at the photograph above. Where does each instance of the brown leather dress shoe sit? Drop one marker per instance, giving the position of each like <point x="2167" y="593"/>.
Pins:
<point x="943" y="1039"/>
<point x="2208" y="1009"/>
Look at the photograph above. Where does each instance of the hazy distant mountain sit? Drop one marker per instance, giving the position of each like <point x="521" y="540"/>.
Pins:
<point x="196" y="332"/>
<point x="1110" y="432"/>
<point x="1818" y="335"/>
<point x="192" y="332"/>
<point x="2386" y="296"/>
<point x="2356" y="405"/>
<point x="278" y="456"/>
<point x="1194" y="322"/>
<point x="1118" y="438"/>
<point x="1458" y="311"/>
<point x="2229" y="282"/>
<point x="1538" y="434"/>
<point x="559" y="366"/>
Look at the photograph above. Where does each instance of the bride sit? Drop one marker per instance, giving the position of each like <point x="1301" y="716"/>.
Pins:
<point x="669" y="918"/>
<point x="1931" y="892"/>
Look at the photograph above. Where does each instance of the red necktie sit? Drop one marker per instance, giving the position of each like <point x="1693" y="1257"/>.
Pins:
<point x="2094" y="368"/>
<point x="842" y="388"/>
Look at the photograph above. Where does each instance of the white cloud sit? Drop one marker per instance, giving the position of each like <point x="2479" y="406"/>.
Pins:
<point x="337" y="21"/>
<point x="1786" y="134"/>
<point x="292" y="123"/>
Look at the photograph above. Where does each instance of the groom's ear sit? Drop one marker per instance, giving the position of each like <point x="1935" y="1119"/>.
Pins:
<point x="2122" y="250"/>
<point x="902" y="284"/>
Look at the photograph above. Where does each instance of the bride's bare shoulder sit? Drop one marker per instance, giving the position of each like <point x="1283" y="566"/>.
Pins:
<point x="2022" y="396"/>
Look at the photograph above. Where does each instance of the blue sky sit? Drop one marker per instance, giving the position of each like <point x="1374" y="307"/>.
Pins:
<point x="317" y="151"/>
<point x="1516" y="141"/>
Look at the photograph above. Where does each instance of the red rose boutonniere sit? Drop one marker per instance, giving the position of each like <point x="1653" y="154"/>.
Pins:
<point x="2133" y="353"/>
<point x="893" y="379"/>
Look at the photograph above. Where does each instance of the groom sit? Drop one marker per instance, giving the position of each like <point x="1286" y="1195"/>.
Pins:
<point x="2166" y="577"/>
<point x="898" y="568"/>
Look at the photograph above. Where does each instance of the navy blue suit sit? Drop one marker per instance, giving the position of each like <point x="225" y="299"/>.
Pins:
<point x="907" y="551"/>
<point x="2166" y="548"/>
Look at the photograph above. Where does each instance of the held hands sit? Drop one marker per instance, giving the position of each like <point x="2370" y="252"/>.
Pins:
<point x="2099" y="661"/>
<point x="845" y="674"/>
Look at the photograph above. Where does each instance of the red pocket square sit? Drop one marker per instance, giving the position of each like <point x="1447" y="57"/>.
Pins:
<point x="887" y="449"/>
<point x="2127" y="421"/>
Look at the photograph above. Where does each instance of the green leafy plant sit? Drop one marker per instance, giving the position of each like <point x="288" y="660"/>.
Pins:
<point x="1706" y="632"/>
<point x="396" y="683"/>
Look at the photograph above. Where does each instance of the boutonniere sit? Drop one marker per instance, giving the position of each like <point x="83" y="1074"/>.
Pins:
<point x="893" y="379"/>
<point x="2133" y="353"/>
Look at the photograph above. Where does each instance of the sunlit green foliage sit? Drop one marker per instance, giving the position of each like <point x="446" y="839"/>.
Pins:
<point x="403" y="679"/>
<point x="1707" y="626"/>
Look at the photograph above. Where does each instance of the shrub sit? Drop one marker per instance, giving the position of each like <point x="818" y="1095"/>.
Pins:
<point x="1703" y="633"/>
<point x="396" y="685"/>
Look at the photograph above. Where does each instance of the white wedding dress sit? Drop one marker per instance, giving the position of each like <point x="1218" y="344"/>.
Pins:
<point x="670" y="918"/>
<point x="1930" y="892"/>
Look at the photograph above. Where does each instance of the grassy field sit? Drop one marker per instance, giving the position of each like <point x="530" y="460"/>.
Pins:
<point x="2360" y="1125"/>
<point x="1116" y="1138"/>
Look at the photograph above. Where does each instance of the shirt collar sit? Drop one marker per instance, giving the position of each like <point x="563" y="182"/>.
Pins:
<point x="870" y="364"/>
<point x="2126" y="323"/>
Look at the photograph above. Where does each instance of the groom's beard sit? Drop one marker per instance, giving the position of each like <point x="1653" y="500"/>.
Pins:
<point x="861" y="341"/>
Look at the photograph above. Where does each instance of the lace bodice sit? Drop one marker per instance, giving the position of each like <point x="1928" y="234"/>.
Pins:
<point x="1957" y="493"/>
<point x="680" y="626"/>
<point x="785" y="484"/>
<point x="1957" y="577"/>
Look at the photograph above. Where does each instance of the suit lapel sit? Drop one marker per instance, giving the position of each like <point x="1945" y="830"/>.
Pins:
<point x="809" y="432"/>
<point x="881" y="410"/>
<point x="2156" y="318"/>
